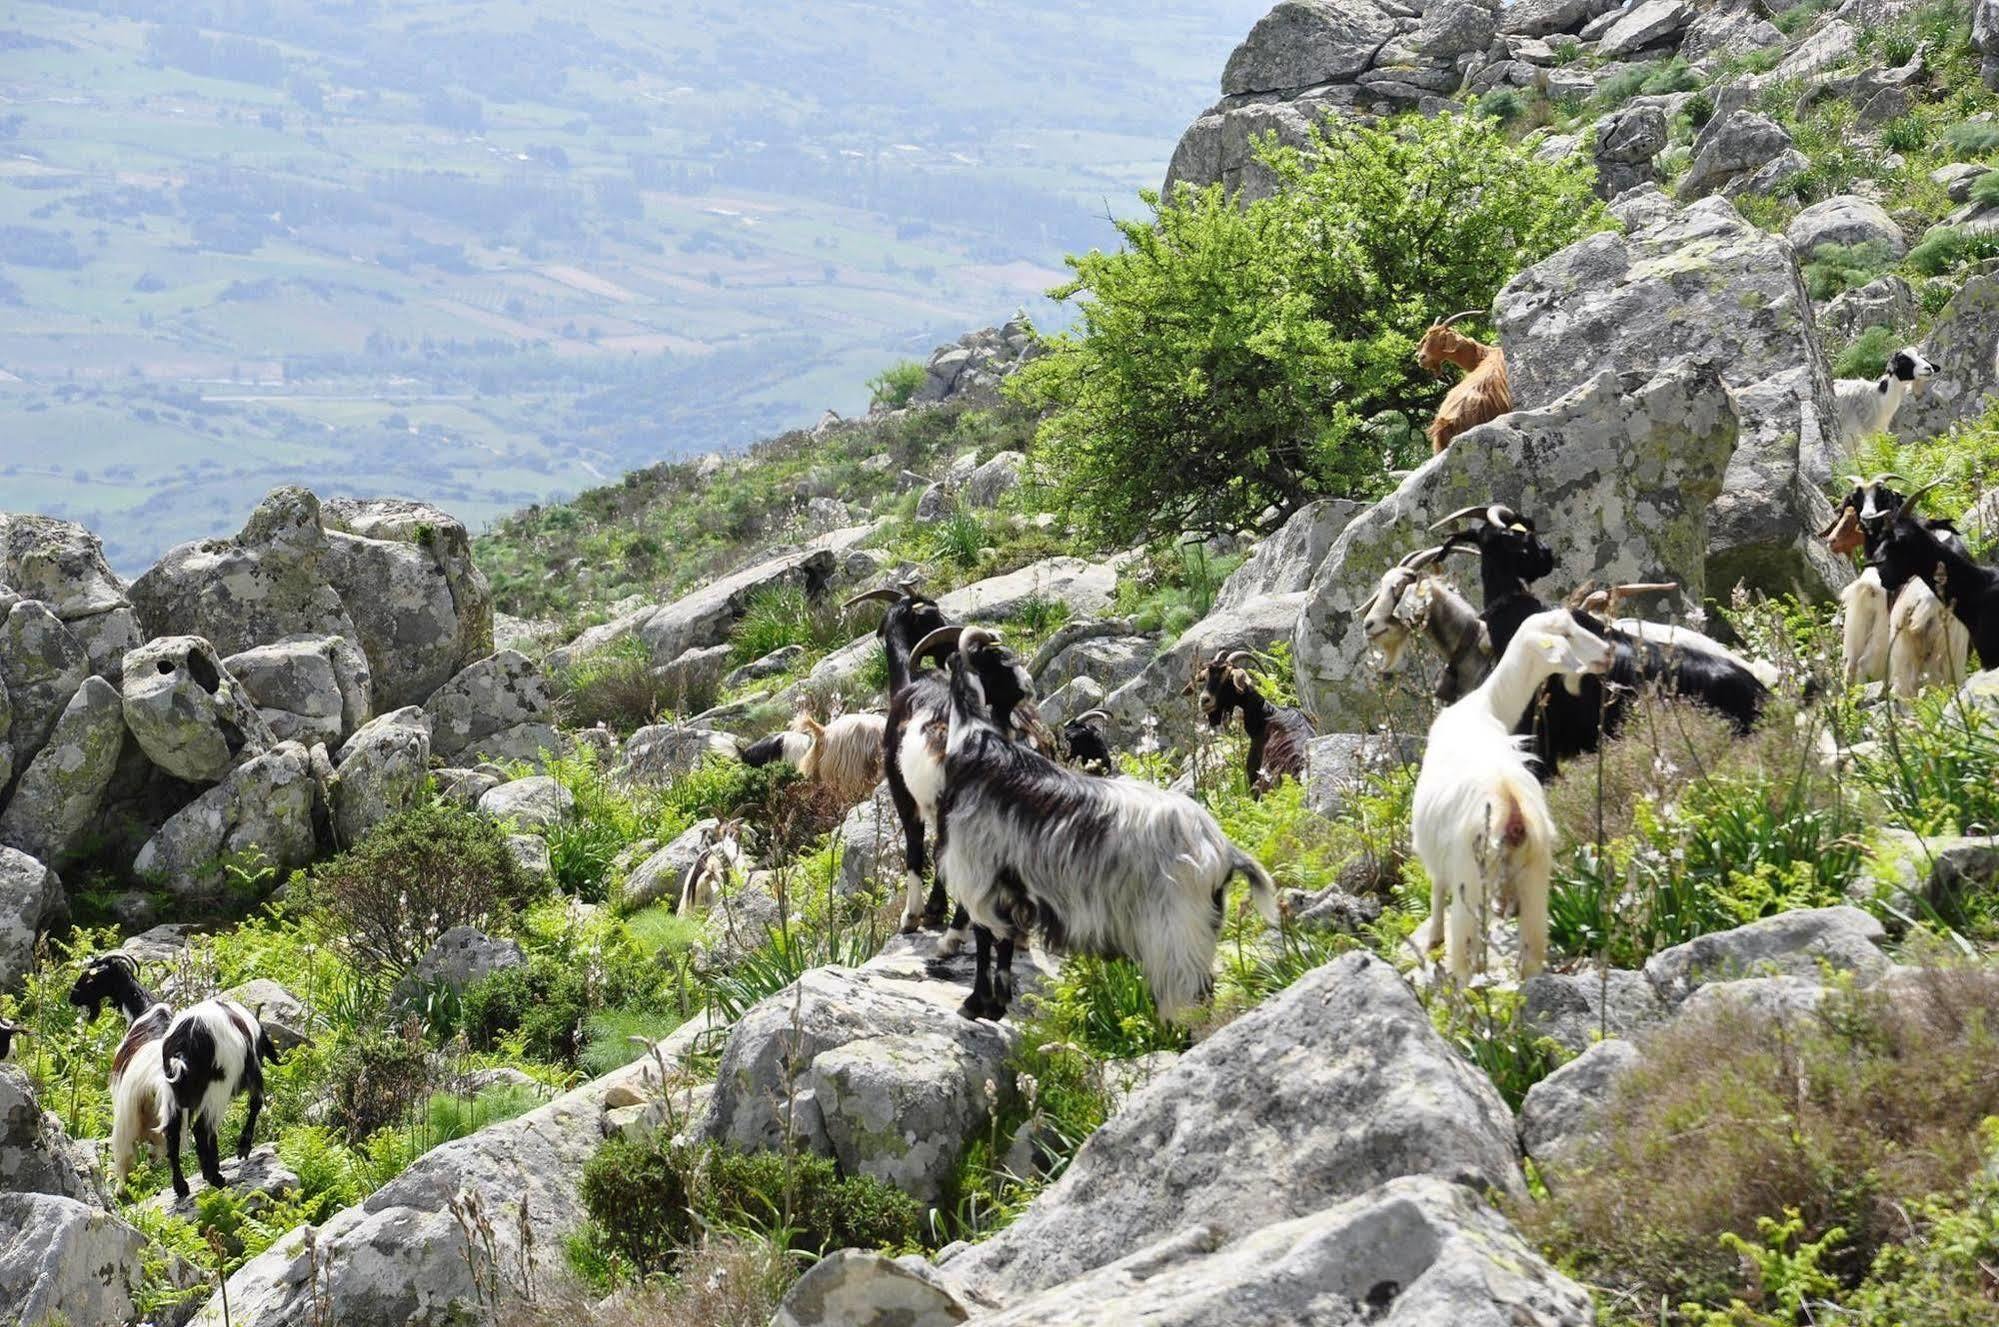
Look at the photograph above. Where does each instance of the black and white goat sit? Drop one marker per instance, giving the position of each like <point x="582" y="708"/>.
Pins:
<point x="174" y="1069"/>
<point x="1097" y="866"/>
<point x="8" y="1031"/>
<point x="1867" y="407"/>
<point x="1571" y="717"/>
<point x="1909" y="639"/>
<point x="1911" y="550"/>
<point x="1278" y="735"/>
<point x="1085" y="740"/>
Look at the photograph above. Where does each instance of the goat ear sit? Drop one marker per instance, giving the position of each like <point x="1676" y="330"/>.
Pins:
<point x="1240" y="678"/>
<point x="1188" y="690"/>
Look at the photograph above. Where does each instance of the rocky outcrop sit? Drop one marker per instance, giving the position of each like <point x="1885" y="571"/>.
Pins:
<point x="1284" y="562"/>
<point x="41" y="666"/>
<point x="532" y="803"/>
<point x="1086" y="587"/>
<point x="31" y="901"/>
<point x="657" y="755"/>
<point x="659" y="876"/>
<point x="462" y="956"/>
<point x="976" y="361"/>
<point x="1241" y="1133"/>
<point x="61" y="791"/>
<point x="187" y="713"/>
<point x="1561" y="1113"/>
<point x="1962" y="345"/>
<point x="1618" y="476"/>
<point x="1845" y="219"/>
<point x="1150" y="708"/>
<point x="65" y="1261"/>
<point x="259" y="817"/>
<point x="1700" y="284"/>
<point x="379" y="771"/>
<point x="499" y="708"/>
<point x="307" y="690"/>
<point x="62" y="564"/>
<point x="1799" y="944"/>
<point x="36" y="1154"/>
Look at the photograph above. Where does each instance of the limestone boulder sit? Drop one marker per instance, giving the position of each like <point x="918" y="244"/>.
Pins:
<point x="1643" y="27"/>
<point x="870" y="840"/>
<point x="425" y="648"/>
<point x="1730" y="147"/>
<point x="380" y="770"/>
<point x="901" y="1107"/>
<point x="41" y="665"/>
<point x="260" y="816"/>
<point x="993" y="480"/>
<point x="65" y="1261"/>
<point x="1627" y="140"/>
<point x="1577" y="1009"/>
<point x="36" y="1153"/>
<point x="658" y="878"/>
<point x="62" y="564"/>
<point x="1619" y="476"/>
<point x="187" y="712"/>
<point x="1302" y="43"/>
<point x="62" y="790"/>
<point x="1792" y="944"/>
<point x="1150" y="708"/>
<point x="283" y="1014"/>
<point x="1563" y="1113"/>
<point x="1845" y="219"/>
<point x="462" y="957"/>
<point x="657" y="755"/>
<point x="500" y="707"/>
<point x="1334" y="1087"/>
<point x="1542" y="18"/>
<point x="536" y="802"/>
<point x="1087" y="588"/>
<point x="1883" y="302"/>
<point x="1284" y="562"/>
<point x="1962" y="345"/>
<point x="31" y="901"/>
<point x="307" y="690"/>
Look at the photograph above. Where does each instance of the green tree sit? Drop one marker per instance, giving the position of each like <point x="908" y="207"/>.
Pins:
<point x="1235" y="360"/>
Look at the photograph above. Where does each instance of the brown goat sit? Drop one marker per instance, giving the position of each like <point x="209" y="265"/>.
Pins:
<point x="1481" y="395"/>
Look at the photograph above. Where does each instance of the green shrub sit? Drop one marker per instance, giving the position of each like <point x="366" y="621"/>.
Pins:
<point x="648" y="1201"/>
<point x="450" y="1115"/>
<point x="1658" y="79"/>
<point x="615" y="686"/>
<point x="376" y="1080"/>
<point x="1502" y="104"/>
<point x="1173" y="587"/>
<point x="960" y="539"/>
<point x="1973" y="138"/>
<point x="1948" y="248"/>
<point x="542" y="1004"/>
<point x="608" y="1037"/>
<point x="1867" y="355"/>
<point x="893" y="387"/>
<point x="1227" y="360"/>
<point x="1840" y="267"/>
<point x="1906" y="134"/>
<point x="1793" y="20"/>
<point x="416" y="875"/>
<point x="1937" y="770"/>
<point x="782" y="615"/>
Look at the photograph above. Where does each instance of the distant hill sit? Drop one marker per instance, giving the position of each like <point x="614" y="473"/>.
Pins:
<point x="489" y="253"/>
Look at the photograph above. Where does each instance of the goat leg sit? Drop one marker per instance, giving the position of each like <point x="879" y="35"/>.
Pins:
<point x="1003" y="979"/>
<point x="912" y="852"/>
<point x="181" y="1189"/>
<point x="250" y="1122"/>
<point x="979" y="1004"/>
<point x="208" y="1150"/>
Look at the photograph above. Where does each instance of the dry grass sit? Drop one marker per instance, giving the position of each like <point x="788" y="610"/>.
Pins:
<point x="1847" y="1117"/>
<point x="727" y="1282"/>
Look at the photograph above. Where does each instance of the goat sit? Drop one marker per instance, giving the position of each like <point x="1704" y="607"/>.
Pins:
<point x="1099" y="866"/>
<point x="1876" y="641"/>
<point x="1481" y="396"/>
<point x="1670" y="635"/>
<point x="8" y="1031"/>
<point x="1911" y="549"/>
<point x="1479" y="821"/>
<point x="141" y="1100"/>
<point x="843" y="756"/>
<point x="1083" y="737"/>
<point x="1278" y="735"/>
<point x="1868" y="407"/>
<point x="712" y="868"/>
<point x="1571" y="719"/>
<point x="1410" y="600"/>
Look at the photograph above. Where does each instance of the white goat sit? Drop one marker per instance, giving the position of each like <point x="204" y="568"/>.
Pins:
<point x="1927" y="645"/>
<point x="1868" y="407"/>
<point x="844" y="756"/>
<point x="1480" y="821"/>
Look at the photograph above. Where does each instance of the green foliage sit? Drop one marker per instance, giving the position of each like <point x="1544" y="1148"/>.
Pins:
<point x="1487" y="1028"/>
<point x="416" y="875"/>
<point x="1985" y="189"/>
<point x="1660" y="78"/>
<point x="1172" y="587"/>
<point x="783" y="615"/>
<point x="1936" y="769"/>
<point x="960" y="539"/>
<point x="1502" y="104"/>
<point x="1102" y="1005"/>
<point x="543" y="1002"/>
<point x="1793" y="20"/>
<point x="1906" y="134"/>
<point x="892" y="388"/>
<point x="452" y="1115"/>
<point x="617" y="687"/>
<point x="1972" y="139"/>
<point x="1786" y="1272"/>
<point x="375" y="1080"/>
<point x="647" y="1201"/>
<point x="616" y="1037"/>
<point x="1228" y="358"/>
<point x="1867" y="354"/>
<point x="1839" y="267"/>
<point x="1943" y="1276"/>
<point x="1948" y="248"/>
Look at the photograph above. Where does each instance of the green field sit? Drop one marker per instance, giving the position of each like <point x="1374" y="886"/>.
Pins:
<point x="491" y="253"/>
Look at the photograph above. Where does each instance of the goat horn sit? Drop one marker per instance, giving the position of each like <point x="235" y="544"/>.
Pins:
<point x="1857" y="481"/>
<point x="123" y="960"/>
<point x="975" y="638"/>
<point x="1476" y="509"/>
<point x="881" y="596"/>
<point x="1466" y="549"/>
<point x="939" y="643"/>
<point x="1088" y="715"/>
<point x="1421" y="558"/>
<point x="1644" y="587"/>
<point x="1909" y="503"/>
<point x="1466" y="313"/>
<point x="1883" y="477"/>
<point x="1581" y="595"/>
<point x="1240" y="658"/>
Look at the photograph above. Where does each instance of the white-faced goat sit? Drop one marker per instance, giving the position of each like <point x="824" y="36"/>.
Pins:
<point x="175" y="1068"/>
<point x="1911" y="550"/>
<point x="1278" y="735"/>
<point x="1085" y="740"/>
<point x="1910" y="641"/>
<point x="1413" y="600"/>
<point x="1098" y="866"/>
<point x="843" y="756"/>
<point x="1479" y="821"/>
<point x="1868" y="407"/>
<point x="709" y="874"/>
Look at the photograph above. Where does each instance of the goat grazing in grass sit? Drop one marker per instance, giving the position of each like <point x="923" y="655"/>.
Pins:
<point x="1908" y="644"/>
<point x="1083" y="738"/>
<point x="1867" y="407"/>
<point x="141" y="1101"/>
<point x="1481" y="396"/>
<point x="1278" y="735"/>
<point x="1479" y="821"/>
<point x="1098" y="866"/>
<point x="843" y="756"/>
<point x="1911" y="549"/>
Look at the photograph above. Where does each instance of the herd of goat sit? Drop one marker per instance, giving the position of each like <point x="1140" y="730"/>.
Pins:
<point x="1039" y="838"/>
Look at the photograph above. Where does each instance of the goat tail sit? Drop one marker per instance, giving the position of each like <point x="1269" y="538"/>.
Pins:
<point x="1262" y="889"/>
<point x="174" y="1068"/>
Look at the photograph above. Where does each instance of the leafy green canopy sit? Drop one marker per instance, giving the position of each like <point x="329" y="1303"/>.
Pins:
<point x="1237" y="356"/>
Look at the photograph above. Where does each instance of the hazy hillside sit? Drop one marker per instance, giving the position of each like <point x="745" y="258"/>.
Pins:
<point x="485" y="253"/>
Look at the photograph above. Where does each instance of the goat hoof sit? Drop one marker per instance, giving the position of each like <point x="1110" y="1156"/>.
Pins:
<point x="911" y="923"/>
<point x="181" y="1189"/>
<point x="934" y="921"/>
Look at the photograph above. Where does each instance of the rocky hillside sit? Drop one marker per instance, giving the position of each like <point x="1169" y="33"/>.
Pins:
<point x="582" y="1017"/>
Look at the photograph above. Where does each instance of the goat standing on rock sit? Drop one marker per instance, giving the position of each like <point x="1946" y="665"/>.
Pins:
<point x="1868" y="407"/>
<point x="1278" y="736"/>
<point x="1099" y="866"/>
<point x="1481" y="396"/>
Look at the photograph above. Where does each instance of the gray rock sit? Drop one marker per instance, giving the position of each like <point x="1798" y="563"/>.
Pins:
<point x="62" y="789"/>
<point x="31" y="901"/>
<point x="1626" y="142"/>
<point x="871" y="845"/>
<point x="1618" y="476"/>
<point x="658" y="878"/>
<point x="464" y="787"/>
<point x="1844" y="219"/>
<point x="856" y="1286"/>
<point x="901" y="1107"/>
<point x="1730" y="146"/>
<point x="778" y="662"/>
<point x="1284" y="563"/>
<point x="1704" y="284"/>
<point x="41" y="666"/>
<point x="691" y="681"/>
<point x="1562" y="1114"/>
<point x="537" y="802"/>
<point x="1239" y="1132"/>
<point x="1985" y="36"/>
<point x="62" y="564"/>
<point x="741" y="921"/>
<point x="1219" y="147"/>
<point x="462" y="956"/>
<point x="36" y="1154"/>
<point x="187" y="713"/>
<point x="282" y="1013"/>
<point x="1793" y="944"/>
<point x="1886" y="301"/>
<point x="657" y="755"/>
<point x="1962" y="345"/>
<point x="255" y="1181"/>
<point x="1643" y="26"/>
<point x="1452" y="28"/>
<point x="1782" y="999"/>
<point x="1540" y="18"/>
<point x="1341" y="765"/>
<point x="531" y="851"/>
<point x="1721" y="34"/>
<point x="261" y="814"/>
<point x="380" y="770"/>
<point x="1086" y="587"/>
<point x="985" y="486"/>
<point x="1079" y="695"/>
<point x="66" y="1261"/>
<point x="1110" y="661"/>
<point x="1301" y="43"/>
<point x="1764" y="180"/>
<point x="1575" y="1009"/>
<point x="312" y="690"/>
<point x="470" y="713"/>
<point x="1331" y="909"/>
<point x="1415" y="1251"/>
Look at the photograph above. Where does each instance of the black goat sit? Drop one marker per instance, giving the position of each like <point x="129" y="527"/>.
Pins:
<point x="1863" y="516"/>
<point x="1089" y="750"/>
<point x="1911" y="549"/>
<point x="1571" y="716"/>
<point x="9" y="1031"/>
<point x="1278" y="735"/>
